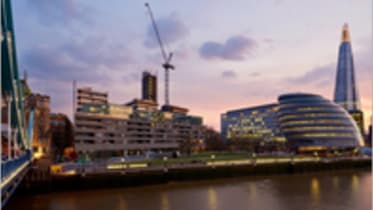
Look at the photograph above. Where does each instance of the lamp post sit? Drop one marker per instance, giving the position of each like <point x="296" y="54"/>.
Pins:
<point x="123" y="159"/>
<point x="165" y="158"/>
<point x="292" y="159"/>
<point x="212" y="160"/>
<point x="123" y="165"/>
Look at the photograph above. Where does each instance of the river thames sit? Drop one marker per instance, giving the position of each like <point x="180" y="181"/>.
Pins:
<point x="339" y="190"/>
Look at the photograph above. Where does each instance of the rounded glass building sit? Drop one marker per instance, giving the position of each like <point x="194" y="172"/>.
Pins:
<point x="311" y="122"/>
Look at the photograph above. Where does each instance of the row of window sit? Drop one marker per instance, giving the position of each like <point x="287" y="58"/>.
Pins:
<point x="315" y="128"/>
<point x="310" y="115"/>
<point x="341" y="134"/>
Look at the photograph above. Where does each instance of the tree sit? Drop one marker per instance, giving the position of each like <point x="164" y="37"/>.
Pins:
<point x="213" y="140"/>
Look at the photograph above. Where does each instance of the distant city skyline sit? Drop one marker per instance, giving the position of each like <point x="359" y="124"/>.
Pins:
<point x="226" y="55"/>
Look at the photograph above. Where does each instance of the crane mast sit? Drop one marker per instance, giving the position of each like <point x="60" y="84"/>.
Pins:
<point x="167" y="58"/>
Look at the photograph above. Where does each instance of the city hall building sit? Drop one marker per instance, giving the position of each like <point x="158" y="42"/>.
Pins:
<point x="307" y="122"/>
<point x="311" y="122"/>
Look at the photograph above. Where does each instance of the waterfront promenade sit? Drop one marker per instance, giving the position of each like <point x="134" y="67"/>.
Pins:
<point x="213" y="161"/>
<point x="73" y="176"/>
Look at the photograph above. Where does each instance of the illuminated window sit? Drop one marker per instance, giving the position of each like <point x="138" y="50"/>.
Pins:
<point x="316" y="128"/>
<point x="324" y="135"/>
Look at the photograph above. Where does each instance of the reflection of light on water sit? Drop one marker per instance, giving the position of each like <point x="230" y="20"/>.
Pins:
<point x="335" y="182"/>
<point x="122" y="203"/>
<point x="212" y="198"/>
<point x="315" y="190"/>
<point x="252" y="189"/>
<point x="355" y="183"/>
<point x="165" y="203"/>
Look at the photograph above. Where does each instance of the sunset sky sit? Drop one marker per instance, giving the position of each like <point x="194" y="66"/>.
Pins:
<point x="228" y="54"/>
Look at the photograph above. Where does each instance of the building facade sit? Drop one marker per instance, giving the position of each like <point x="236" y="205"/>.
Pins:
<point x="88" y="100"/>
<point x="113" y="129"/>
<point x="311" y="122"/>
<point x="41" y="124"/>
<point x="255" y="126"/>
<point x="62" y="134"/>
<point x="149" y="86"/>
<point x="145" y="105"/>
<point x="305" y="122"/>
<point x="346" y="92"/>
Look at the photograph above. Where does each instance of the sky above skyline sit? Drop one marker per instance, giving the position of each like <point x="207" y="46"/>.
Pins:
<point x="227" y="55"/>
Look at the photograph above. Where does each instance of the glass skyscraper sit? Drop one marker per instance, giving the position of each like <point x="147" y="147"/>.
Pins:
<point x="346" y="93"/>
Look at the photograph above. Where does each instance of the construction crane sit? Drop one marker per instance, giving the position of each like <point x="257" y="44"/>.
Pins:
<point x="167" y="57"/>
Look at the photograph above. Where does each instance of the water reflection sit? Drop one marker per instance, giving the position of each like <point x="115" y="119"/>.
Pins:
<point x="288" y="192"/>
<point x="122" y="204"/>
<point x="355" y="183"/>
<point x="315" y="190"/>
<point x="212" y="198"/>
<point x="252" y="191"/>
<point x="165" y="205"/>
<point x="62" y="203"/>
<point x="335" y="182"/>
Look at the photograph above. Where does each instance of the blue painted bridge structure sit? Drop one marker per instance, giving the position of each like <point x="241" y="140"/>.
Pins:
<point x="16" y="153"/>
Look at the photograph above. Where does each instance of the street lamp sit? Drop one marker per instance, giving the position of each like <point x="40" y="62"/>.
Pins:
<point x="254" y="160"/>
<point x="123" y="165"/>
<point x="165" y="163"/>
<point x="212" y="160"/>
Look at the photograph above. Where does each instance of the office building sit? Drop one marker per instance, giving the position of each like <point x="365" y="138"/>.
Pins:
<point x="90" y="101"/>
<point x="310" y="123"/>
<point x="149" y="86"/>
<point x="253" y="127"/>
<point x="346" y="92"/>
<point x="104" y="130"/>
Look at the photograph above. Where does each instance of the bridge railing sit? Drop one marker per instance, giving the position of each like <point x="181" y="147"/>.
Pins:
<point x="8" y="167"/>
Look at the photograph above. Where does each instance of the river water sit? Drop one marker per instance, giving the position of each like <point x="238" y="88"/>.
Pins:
<point x="341" y="190"/>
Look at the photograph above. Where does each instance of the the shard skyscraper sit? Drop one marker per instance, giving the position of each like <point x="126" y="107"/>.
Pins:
<point x="346" y="93"/>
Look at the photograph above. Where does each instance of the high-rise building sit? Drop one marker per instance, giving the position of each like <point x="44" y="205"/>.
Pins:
<point x="346" y="92"/>
<point x="149" y="86"/>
